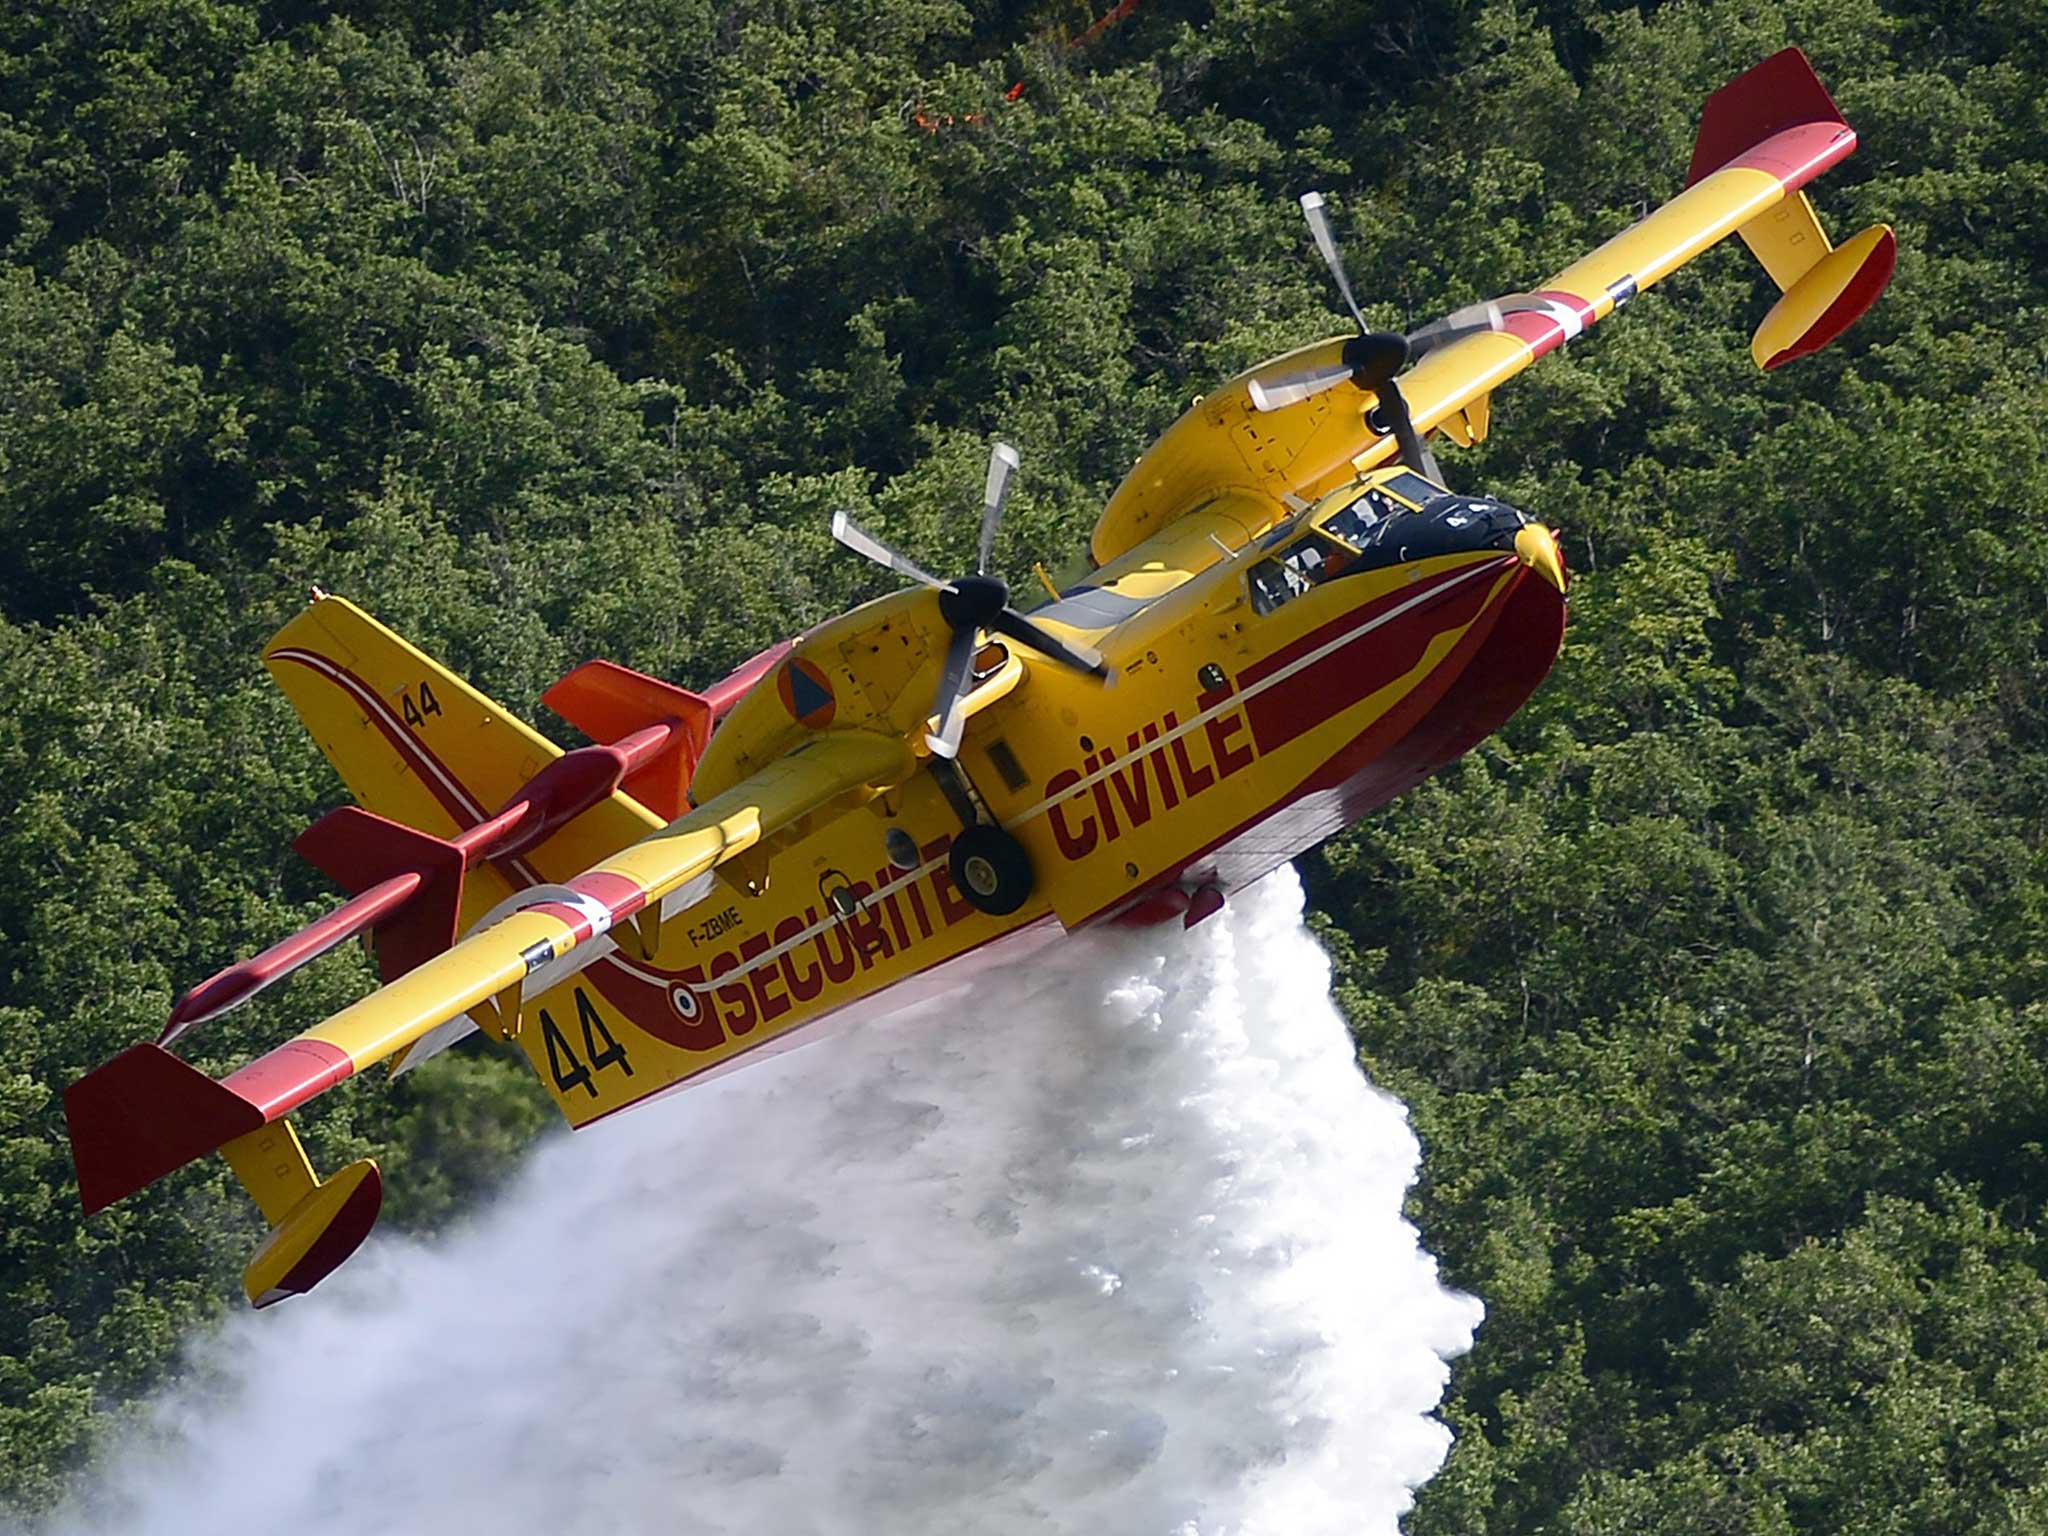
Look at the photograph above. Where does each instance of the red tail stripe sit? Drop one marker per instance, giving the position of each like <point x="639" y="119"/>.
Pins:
<point x="1852" y="301"/>
<point x="1759" y="104"/>
<point x="279" y="1081"/>
<point x="344" y="1234"/>
<point x="460" y="805"/>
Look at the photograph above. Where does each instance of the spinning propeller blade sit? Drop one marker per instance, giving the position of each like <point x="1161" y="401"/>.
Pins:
<point x="1080" y="657"/>
<point x="1282" y="389"/>
<point x="970" y="605"/>
<point x="1375" y="357"/>
<point x="953" y="685"/>
<point x="1319" y="226"/>
<point x="1002" y="464"/>
<point x="1456" y="326"/>
<point x="861" y="542"/>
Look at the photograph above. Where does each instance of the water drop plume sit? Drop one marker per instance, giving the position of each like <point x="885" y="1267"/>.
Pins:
<point x="1110" y="1243"/>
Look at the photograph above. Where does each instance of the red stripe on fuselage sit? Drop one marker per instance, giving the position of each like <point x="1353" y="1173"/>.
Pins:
<point x="928" y="981"/>
<point x="1369" y="661"/>
<point x="1362" y="618"/>
<point x="1376" y="739"/>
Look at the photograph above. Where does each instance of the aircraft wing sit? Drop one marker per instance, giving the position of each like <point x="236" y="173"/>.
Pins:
<point x="146" y="1112"/>
<point x="1762" y="138"/>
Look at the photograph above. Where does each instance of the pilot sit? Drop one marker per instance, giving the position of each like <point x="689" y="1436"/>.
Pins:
<point x="1355" y="523"/>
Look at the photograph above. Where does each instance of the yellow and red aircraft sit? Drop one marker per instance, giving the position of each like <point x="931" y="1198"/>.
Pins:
<point x="1299" y="618"/>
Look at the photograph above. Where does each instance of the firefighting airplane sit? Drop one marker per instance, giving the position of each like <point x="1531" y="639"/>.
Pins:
<point x="1300" y="619"/>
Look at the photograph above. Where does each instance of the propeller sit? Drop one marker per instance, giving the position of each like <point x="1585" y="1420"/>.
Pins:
<point x="1372" y="358"/>
<point x="1002" y="465"/>
<point x="971" y="604"/>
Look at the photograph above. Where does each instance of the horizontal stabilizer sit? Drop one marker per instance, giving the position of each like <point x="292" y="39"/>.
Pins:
<point x="1778" y="119"/>
<point x="146" y="1113"/>
<point x="607" y="702"/>
<point x="141" y="1115"/>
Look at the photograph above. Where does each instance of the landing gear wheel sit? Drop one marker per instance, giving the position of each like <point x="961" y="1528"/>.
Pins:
<point x="991" y="869"/>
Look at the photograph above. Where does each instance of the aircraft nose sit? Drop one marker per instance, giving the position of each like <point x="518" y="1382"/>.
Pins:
<point x="1538" y="549"/>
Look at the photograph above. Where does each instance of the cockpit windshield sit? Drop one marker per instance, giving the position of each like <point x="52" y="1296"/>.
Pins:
<point x="1354" y="523"/>
<point x="1379" y="527"/>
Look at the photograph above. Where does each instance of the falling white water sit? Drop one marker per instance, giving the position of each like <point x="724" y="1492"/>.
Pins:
<point x="1110" y="1244"/>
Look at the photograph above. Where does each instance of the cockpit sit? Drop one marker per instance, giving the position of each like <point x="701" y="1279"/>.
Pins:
<point x="1405" y="517"/>
<point x="1308" y="562"/>
<point x="1355" y="520"/>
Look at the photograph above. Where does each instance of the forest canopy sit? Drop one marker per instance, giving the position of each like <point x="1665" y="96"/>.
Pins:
<point x="553" y="329"/>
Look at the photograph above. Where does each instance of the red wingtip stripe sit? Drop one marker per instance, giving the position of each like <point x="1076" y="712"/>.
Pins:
<point x="279" y="1081"/>
<point x="331" y="1249"/>
<point x="1862" y="292"/>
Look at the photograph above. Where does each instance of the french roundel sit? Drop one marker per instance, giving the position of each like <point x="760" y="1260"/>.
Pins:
<point x="688" y="1005"/>
<point x="805" y="693"/>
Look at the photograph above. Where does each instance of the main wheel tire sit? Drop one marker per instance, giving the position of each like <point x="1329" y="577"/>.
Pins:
<point x="991" y="869"/>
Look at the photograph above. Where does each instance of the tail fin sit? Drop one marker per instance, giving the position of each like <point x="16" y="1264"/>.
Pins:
<point x="417" y="745"/>
<point x="461" y="799"/>
<point x="461" y="803"/>
<point x="1824" y="288"/>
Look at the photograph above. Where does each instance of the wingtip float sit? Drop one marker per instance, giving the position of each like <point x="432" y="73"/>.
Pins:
<point x="1304" y="619"/>
<point x="1778" y="122"/>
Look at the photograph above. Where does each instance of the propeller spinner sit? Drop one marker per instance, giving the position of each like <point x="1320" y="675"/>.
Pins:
<point x="970" y="605"/>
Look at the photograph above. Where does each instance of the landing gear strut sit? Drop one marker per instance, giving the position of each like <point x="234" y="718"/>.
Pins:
<point x="989" y="867"/>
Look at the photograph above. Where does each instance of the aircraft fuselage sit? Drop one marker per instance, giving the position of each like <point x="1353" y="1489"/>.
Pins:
<point x="1241" y="732"/>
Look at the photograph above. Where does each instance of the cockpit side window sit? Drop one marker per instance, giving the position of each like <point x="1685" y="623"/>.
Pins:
<point x="1308" y="562"/>
<point x="1271" y="585"/>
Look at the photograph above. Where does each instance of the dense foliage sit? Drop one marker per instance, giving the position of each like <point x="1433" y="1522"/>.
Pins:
<point x="551" y="328"/>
